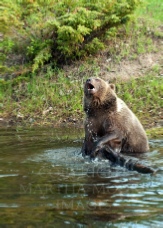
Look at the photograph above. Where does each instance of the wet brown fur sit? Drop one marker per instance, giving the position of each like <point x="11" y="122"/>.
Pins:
<point x="110" y="122"/>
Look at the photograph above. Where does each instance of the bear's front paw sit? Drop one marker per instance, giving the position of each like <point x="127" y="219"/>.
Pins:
<point x="95" y="152"/>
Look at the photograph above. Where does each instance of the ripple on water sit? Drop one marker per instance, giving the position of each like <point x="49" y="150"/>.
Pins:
<point x="58" y="184"/>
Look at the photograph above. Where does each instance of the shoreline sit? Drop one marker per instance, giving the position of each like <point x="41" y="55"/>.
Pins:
<point x="156" y="131"/>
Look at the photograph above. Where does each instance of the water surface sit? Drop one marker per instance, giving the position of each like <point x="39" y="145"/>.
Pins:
<point x="44" y="182"/>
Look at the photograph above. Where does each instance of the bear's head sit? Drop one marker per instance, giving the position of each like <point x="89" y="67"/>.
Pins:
<point x="98" y="92"/>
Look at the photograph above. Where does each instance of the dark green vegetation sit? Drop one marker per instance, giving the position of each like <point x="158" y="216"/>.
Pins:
<point x="34" y="89"/>
<point x="58" y="31"/>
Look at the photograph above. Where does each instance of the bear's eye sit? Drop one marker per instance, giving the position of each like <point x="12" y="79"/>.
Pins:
<point x="97" y="80"/>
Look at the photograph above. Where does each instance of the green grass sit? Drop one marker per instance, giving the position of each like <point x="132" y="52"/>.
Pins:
<point x="52" y="96"/>
<point x="33" y="99"/>
<point x="151" y="9"/>
<point x="139" y="35"/>
<point x="155" y="132"/>
<point x="143" y="95"/>
<point x="55" y="95"/>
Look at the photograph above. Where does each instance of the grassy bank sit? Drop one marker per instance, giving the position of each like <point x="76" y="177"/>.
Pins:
<point x="59" y="100"/>
<point x="54" y="96"/>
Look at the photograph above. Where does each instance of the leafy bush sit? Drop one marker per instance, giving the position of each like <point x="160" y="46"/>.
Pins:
<point x="59" y="31"/>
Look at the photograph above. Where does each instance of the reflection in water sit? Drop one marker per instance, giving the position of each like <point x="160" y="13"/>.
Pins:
<point x="45" y="182"/>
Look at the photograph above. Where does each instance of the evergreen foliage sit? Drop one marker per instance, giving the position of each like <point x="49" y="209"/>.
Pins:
<point x="58" y="31"/>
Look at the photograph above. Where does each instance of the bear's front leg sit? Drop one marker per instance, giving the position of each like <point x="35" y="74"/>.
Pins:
<point x="101" y="143"/>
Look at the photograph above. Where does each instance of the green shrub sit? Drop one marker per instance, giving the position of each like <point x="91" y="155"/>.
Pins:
<point x="58" y="31"/>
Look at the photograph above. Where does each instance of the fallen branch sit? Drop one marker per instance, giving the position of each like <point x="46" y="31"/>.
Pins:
<point x="128" y="162"/>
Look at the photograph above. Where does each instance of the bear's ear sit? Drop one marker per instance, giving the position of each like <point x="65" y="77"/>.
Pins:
<point x="112" y="86"/>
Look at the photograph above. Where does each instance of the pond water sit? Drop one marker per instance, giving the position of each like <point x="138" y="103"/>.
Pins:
<point x="44" y="182"/>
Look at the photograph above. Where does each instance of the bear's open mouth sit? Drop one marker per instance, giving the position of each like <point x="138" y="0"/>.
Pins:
<point x="90" y="86"/>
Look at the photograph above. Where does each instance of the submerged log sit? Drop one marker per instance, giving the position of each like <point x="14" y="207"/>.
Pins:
<point x="130" y="163"/>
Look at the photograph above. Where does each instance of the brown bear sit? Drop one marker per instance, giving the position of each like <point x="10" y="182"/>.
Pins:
<point x="109" y="121"/>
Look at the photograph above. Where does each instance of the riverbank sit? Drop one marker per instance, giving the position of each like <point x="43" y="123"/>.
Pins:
<point x="53" y="96"/>
<point x="143" y="95"/>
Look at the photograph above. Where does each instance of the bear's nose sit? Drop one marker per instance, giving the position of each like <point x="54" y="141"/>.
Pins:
<point x="88" y="80"/>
